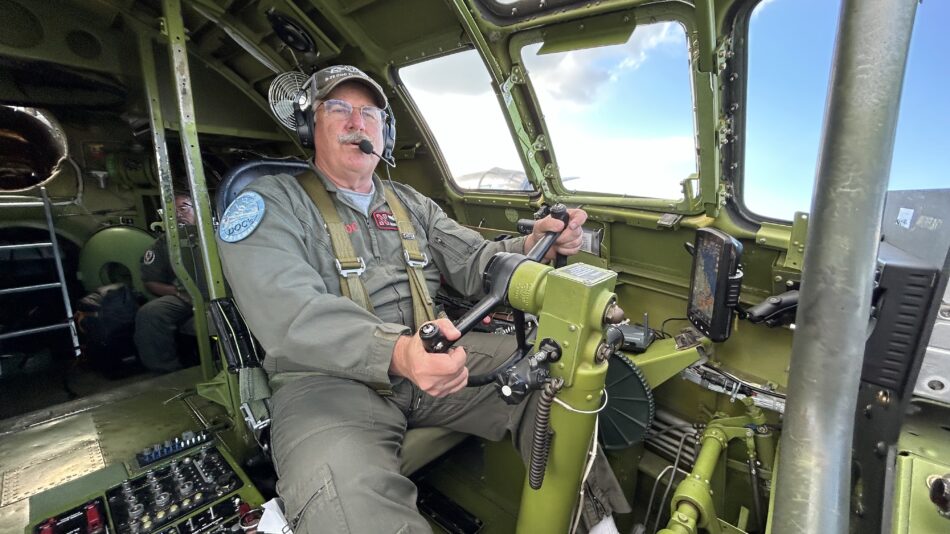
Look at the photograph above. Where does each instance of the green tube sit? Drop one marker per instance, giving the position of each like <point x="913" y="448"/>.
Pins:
<point x="692" y="505"/>
<point x="549" y="508"/>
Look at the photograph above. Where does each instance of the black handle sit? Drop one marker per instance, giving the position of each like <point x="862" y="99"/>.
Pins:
<point x="772" y="307"/>
<point x="432" y="338"/>
<point x="540" y="249"/>
<point x="562" y="215"/>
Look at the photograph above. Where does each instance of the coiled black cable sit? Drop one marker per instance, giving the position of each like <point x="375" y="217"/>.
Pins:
<point x="541" y="444"/>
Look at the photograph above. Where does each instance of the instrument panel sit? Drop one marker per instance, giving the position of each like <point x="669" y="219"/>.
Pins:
<point x="201" y="490"/>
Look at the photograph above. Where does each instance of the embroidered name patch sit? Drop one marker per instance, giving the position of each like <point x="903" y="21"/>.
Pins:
<point x="385" y="220"/>
<point x="241" y="217"/>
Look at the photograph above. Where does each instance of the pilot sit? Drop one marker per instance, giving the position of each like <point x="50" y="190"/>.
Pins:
<point x="157" y="321"/>
<point x="349" y="379"/>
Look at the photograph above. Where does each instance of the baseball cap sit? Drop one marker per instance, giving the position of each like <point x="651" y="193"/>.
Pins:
<point x="326" y="80"/>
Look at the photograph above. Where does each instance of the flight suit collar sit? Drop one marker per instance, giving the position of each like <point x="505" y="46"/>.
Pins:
<point x="379" y="197"/>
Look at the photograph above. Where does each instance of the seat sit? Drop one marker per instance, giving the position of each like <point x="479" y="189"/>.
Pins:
<point x="240" y="176"/>
<point x="421" y="445"/>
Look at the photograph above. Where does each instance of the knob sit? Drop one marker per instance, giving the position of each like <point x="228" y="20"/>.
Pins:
<point x="186" y="488"/>
<point x="136" y="510"/>
<point x="163" y="499"/>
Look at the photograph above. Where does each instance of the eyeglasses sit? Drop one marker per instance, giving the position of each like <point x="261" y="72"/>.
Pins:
<point x="341" y="109"/>
<point x="184" y="208"/>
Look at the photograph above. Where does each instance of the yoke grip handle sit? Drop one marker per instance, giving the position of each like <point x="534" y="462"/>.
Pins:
<point x="559" y="212"/>
<point x="540" y="249"/>
<point x="432" y="338"/>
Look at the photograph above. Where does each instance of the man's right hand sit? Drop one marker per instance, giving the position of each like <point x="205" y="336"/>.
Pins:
<point x="435" y="373"/>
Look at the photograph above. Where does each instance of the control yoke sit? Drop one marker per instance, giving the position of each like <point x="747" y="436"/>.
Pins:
<point x="497" y="275"/>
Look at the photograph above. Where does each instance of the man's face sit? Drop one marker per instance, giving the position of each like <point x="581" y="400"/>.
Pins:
<point x="184" y="210"/>
<point x="336" y="136"/>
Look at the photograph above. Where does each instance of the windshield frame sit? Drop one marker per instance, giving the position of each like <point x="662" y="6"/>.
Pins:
<point x="703" y="111"/>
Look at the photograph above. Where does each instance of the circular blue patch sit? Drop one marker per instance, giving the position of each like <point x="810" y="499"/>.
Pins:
<point x="241" y="217"/>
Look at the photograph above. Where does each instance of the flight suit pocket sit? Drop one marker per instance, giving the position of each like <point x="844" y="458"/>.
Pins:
<point x="453" y="244"/>
<point x="323" y="507"/>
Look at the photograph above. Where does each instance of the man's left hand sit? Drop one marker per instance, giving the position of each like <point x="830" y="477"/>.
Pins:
<point x="570" y="240"/>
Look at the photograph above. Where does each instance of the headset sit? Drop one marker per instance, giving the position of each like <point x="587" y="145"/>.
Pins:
<point x="304" y="122"/>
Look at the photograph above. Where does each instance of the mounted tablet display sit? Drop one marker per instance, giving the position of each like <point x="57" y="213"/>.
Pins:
<point x="714" y="283"/>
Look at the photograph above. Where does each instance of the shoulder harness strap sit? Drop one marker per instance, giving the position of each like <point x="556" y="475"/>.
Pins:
<point x="348" y="264"/>
<point x="423" y="309"/>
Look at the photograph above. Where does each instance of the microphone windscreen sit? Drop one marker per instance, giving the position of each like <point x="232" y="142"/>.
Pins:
<point x="366" y="146"/>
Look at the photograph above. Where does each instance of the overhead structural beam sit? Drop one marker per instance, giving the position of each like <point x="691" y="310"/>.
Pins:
<point x="814" y="483"/>
<point x="240" y="34"/>
<point x="147" y="27"/>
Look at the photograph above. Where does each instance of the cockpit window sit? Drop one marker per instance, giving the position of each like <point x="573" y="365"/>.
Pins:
<point x="787" y="91"/>
<point x="620" y="117"/>
<point x="31" y="146"/>
<point x="455" y="97"/>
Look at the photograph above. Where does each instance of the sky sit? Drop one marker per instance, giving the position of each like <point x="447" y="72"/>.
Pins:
<point x="621" y="121"/>
<point x="787" y="98"/>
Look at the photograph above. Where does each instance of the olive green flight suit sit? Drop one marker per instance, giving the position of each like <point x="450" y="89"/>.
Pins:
<point x="157" y="321"/>
<point x="338" y="416"/>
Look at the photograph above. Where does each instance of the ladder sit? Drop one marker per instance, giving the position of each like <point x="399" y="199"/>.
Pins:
<point x="68" y="323"/>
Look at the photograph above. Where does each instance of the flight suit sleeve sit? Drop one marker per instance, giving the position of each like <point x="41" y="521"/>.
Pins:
<point x="462" y="253"/>
<point x="286" y="303"/>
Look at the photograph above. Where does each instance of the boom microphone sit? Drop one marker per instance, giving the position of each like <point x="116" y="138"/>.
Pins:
<point x="367" y="148"/>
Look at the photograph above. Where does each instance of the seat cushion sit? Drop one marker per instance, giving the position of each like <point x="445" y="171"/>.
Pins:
<point x="422" y="445"/>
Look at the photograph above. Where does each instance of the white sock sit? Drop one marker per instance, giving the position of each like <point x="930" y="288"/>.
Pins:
<point x="606" y="526"/>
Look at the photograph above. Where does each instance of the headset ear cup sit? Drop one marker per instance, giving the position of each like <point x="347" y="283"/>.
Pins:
<point x="304" y="123"/>
<point x="303" y="120"/>
<point x="389" y="135"/>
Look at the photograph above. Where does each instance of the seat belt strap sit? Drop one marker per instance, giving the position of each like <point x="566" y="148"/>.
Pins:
<point x="423" y="308"/>
<point x="348" y="264"/>
<point x="254" y="391"/>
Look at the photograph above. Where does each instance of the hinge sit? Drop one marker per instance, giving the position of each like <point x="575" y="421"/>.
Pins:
<point x="515" y="78"/>
<point x="669" y="220"/>
<point x="549" y="171"/>
<point x="795" y="258"/>
<point x="725" y="130"/>
<point x="539" y="144"/>
<point x="724" y="53"/>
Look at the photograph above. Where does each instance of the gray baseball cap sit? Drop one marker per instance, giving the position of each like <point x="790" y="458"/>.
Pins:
<point x="326" y="80"/>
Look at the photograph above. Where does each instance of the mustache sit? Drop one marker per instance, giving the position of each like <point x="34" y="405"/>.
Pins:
<point x="353" y="138"/>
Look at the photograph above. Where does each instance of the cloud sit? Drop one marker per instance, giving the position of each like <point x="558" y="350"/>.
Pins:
<point x="463" y="73"/>
<point x="471" y="131"/>
<point x="454" y="96"/>
<point x="473" y="137"/>
<point x="575" y="77"/>
<point x="629" y="165"/>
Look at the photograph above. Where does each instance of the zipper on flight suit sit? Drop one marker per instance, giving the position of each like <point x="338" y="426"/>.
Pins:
<point x="373" y="243"/>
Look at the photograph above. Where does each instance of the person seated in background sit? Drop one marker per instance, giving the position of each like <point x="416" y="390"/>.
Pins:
<point x="159" y="319"/>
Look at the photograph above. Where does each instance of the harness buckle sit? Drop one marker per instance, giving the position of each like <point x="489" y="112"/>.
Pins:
<point x="253" y="422"/>
<point x="345" y="273"/>
<point x="413" y="263"/>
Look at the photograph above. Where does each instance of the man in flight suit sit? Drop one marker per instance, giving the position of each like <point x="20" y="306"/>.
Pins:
<point x="348" y="382"/>
<point x="157" y="321"/>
